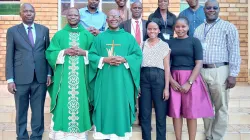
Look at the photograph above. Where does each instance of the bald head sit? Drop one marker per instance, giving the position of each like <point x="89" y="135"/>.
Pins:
<point x="72" y="9"/>
<point x="211" y="10"/>
<point x="113" y="19"/>
<point x="212" y="1"/>
<point x="136" y="2"/>
<point x="27" y="13"/>
<point x="114" y="12"/>
<point x="24" y="5"/>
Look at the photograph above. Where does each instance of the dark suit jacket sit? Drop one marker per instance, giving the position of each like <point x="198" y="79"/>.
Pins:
<point x="23" y="60"/>
<point x="126" y="25"/>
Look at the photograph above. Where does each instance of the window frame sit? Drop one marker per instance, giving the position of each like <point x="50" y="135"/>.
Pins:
<point x="10" y="2"/>
<point x="72" y="2"/>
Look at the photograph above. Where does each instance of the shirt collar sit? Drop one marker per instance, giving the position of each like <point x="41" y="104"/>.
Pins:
<point x="87" y="10"/>
<point x="205" y="21"/>
<point x="26" y="26"/>
<point x="200" y="7"/>
<point x="133" y="20"/>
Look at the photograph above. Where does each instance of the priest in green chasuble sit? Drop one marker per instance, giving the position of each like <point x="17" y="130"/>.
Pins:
<point x="68" y="56"/>
<point x="114" y="75"/>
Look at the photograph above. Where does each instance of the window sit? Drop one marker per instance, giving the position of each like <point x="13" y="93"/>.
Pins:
<point x="9" y="7"/>
<point x="184" y="5"/>
<point x="63" y="5"/>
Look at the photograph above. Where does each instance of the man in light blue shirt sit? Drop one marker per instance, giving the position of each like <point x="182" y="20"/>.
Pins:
<point x="195" y="15"/>
<point x="93" y="19"/>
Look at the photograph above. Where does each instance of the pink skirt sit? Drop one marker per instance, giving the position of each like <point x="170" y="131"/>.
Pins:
<point x="195" y="103"/>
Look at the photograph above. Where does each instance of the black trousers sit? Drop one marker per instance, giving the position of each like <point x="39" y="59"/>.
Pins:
<point x="152" y="85"/>
<point x="33" y="94"/>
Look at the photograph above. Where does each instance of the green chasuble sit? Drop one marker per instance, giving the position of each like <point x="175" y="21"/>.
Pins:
<point x="115" y="87"/>
<point x="68" y="91"/>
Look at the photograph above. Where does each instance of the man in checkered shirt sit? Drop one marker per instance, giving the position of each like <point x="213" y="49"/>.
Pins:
<point x="221" y="65"/>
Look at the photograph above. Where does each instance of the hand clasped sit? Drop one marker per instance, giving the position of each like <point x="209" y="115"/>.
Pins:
<point x="114" y="60"/>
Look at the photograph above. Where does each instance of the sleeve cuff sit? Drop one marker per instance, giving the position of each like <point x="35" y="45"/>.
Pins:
<point x="86" y="58"/>
<point x="60" y="57"/>
<point x="233" y="74"/>
<point x="10" y="80"/>
<point x="126" y="65"/>
<point x="100" y="65"/>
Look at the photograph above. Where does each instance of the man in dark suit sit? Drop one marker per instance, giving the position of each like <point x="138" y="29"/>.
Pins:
<point x="136" y="26"/>
<point x="27" y="71"/>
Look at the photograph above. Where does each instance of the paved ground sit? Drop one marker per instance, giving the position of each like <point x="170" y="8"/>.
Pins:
<point x="238" y="129"/>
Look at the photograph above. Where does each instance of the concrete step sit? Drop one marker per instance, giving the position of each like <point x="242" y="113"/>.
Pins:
<point x="239" y="91"/>
<point x="239" y="96"/>
<point x="235" y="132"/>
<point x="236" y="115"/>
<point x="237" y="102"/>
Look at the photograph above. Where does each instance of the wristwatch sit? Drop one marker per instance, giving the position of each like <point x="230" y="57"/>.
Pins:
<point x="190" y="82"/>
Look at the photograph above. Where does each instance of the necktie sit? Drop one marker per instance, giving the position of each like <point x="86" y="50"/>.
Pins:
<point x="138" y="33"/>
<point x="30" y="35"/>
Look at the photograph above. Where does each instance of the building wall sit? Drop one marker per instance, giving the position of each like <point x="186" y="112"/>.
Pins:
<point x="236" y="11"/>
<point x="248" y="43"/>
<point x="46" y="14"/>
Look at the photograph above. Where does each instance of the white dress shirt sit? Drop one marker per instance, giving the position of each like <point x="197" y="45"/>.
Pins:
<point x="133" y="27"/>
<point x="33" y="30"/>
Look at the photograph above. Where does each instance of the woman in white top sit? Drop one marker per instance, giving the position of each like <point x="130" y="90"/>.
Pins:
<point x="154" y="84"/>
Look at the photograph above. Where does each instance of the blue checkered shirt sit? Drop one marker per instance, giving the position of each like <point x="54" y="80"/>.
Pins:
<point x="222" y="44"/>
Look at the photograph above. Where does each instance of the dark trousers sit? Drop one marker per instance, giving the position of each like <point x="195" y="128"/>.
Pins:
<point x="152" y="86"/>
<point x="33" y="94"/>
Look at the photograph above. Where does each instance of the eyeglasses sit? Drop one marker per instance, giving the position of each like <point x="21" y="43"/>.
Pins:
<point x="113" y="17"/>
<point x="212" y="7"/>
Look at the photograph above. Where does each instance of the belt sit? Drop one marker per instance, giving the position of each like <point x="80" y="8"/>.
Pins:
<point x="151" y="69"/>
<point x="215" y="65"/>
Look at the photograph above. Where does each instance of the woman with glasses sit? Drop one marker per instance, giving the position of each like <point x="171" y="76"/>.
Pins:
<point x="154" y="82"/>
<point x="188" y="95"/>
<point x="167" y="19"/>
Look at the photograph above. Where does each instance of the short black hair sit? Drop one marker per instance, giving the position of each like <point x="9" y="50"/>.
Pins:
<point x="155" y="20"/>
<point x="182" y="18"/>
